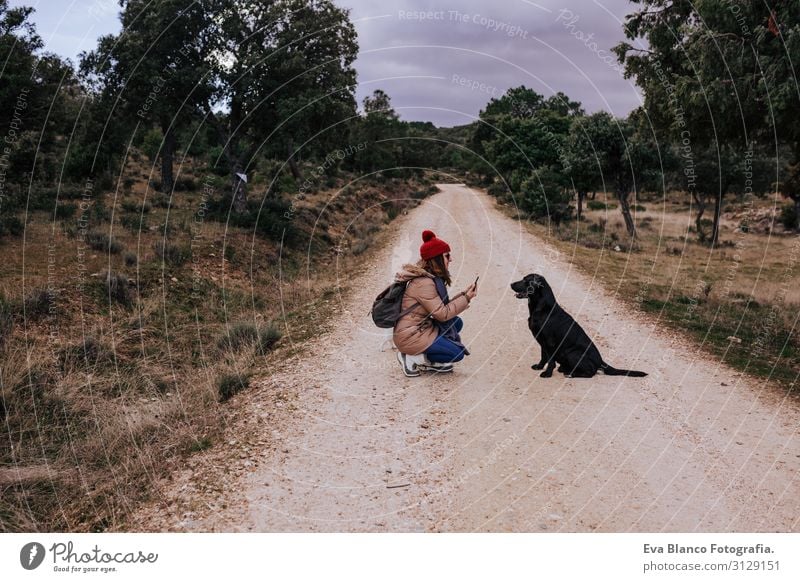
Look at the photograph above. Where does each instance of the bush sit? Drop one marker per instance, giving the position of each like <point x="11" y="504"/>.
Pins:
<point x="245" y="334"/>
<point x="545" y="199"/>
<point x="11" y="225"/>
<point x="117" y="289"/>
<point x="269" y="220"/>
<point x="6" y="319"/>
<point x="171" y="254"/>
<point x="498" y="189"/>
<point x="65" y="210"/>
<point x="100" y="241"/>
<point x="133" y="222"/>
<point x="151" y="144"/>
<point x="230" y="384"/>
<point x="268" y="336"/>
<point x="789" y="217"/>
<point x="131" y="259"/>
<point x="239" y="335"/>
<point x="99" y="211"/>
<point x="134" y="206"/>
<point x="185" y="183"/>
<point x="37" y="304"/>
<point x="88" y="353"/>
<point x="600" y="205"/>
<point x="360" y="246"/>
<point x="160" y="201"/>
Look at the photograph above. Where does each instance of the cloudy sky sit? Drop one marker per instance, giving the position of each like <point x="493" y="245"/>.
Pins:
<point x="439" y="61"/>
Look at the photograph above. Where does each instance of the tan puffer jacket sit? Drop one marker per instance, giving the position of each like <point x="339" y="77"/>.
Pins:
<point x="409" y="336"/>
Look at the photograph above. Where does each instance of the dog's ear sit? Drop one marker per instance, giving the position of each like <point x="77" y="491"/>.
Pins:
<point x="545" y="292"/>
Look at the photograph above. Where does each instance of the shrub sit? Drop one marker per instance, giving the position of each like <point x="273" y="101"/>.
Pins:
<point x="6" y="320"/>
<point x="99" y="211"/>
<point x="65" y="210"/>
<point x="171" y="254"/>
<point x="230" y="384"/>
<point x="360" y="246"/>
<point x="497" y="189"/>
<point x="151" y="144"/>
<point x="37" y="304"/>
<point x="269" y="220"/>
<point x="185" y="183"/>
<point x="160" y="201"/>
<point x="133" y="222"/>
<point x="200" y="444"/>
<point x="88" y="353"/>
<point x="131" y="259"/>
<point x="599" y="205"/>
<point x="117" y="289"/>
<point x="239" y="335"/>
<point x="11" y="225"/>
<point x="100" y="241"/>
<point x="268" y="336"/>
<point x="544" y="198"/>
<point x="245" y="334"/>
<point x="789" y="217"/>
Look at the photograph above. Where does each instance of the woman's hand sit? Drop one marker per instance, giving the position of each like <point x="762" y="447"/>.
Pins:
<point x="471" y="292"/>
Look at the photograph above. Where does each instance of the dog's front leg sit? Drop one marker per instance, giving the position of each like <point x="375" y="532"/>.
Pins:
<point x="551" y="363"/>
<point x="549" y="371"/>
<point x="542" y="362"/>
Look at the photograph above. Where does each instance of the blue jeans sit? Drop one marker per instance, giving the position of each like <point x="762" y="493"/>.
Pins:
<point x="444" y="351"/>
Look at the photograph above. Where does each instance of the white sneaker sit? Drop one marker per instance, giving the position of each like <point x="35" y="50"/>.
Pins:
<point x="410" y="364"/>
<point x="436" y="367"/>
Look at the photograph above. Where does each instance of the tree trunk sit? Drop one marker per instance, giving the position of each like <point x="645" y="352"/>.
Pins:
<point x="167" y="156"/>
<point x="701" y="208"/>
<point x="239" y="189"/>
<point x="594" y="194"/>
<point x="292" y="160"/>
<point x="622" y="196"/>
<point x="581" y="196"/>
<point x="717" y="214"/>
<point x="797" y="213"/>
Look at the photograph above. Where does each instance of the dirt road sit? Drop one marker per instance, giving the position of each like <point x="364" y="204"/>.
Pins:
<point x="493" y="447"/>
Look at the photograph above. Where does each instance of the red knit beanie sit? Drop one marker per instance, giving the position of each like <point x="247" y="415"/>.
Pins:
<point x="432" y="246"/>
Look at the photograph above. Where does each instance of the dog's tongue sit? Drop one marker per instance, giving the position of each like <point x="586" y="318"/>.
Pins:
<point x="520" y="295"/>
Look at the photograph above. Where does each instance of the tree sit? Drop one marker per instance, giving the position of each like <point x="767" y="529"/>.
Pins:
<point x="624" y="154"/>
<point x="156" y="70"/>
<point x="379" y="105"/>
<point x="283" y="72"/>
<point x="584" y="161"/>
<point x="717" y="77"/>
<point x="379" y="128"/>
<point x="33" y="87"/>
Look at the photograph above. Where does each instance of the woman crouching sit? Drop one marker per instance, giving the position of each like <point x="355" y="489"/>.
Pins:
<point x="427" y="337"/>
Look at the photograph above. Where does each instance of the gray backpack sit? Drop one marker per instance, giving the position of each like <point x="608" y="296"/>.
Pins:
<point x="386" y="309"/>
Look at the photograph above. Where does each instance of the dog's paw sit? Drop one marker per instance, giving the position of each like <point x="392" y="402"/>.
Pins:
<point x="537" y="367"/>
<point x="546" y="374"/>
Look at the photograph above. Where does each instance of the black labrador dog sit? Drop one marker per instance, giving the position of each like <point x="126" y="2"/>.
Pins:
<point x="563" y="341"/>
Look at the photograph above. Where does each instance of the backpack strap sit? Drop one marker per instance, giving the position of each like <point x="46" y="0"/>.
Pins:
<point x="410" y="309"/>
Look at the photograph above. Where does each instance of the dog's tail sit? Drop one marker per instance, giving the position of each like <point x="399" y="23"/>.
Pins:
<point x="612" y="371"/>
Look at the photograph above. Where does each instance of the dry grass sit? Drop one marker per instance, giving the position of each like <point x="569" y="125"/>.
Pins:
<point x="123" y="371"/>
